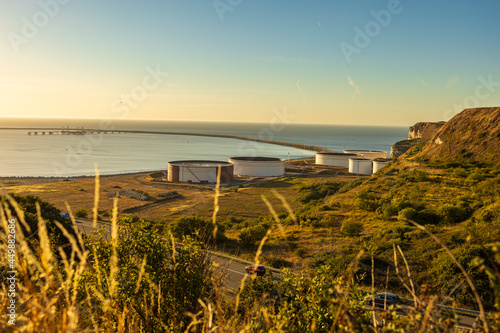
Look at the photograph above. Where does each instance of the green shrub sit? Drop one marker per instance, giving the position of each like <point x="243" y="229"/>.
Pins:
<point x="252" y="235"/>
<point x="427" y="216"/>
<point x="415" y="176"/>
<point x="338" y="262"/>
<point x="351" y="228"/>
<point x="392" y="208"/>
<point x="460" y="172"/>
<point x="477" y="177"/>
<point x="452" y="214"/>
<point x="317" y="191"/>
<point x="171" y="291"/>
<point x="277" y="262"/>
<point x="347" y="186"/>
<point x="367" y="200"/>
<point x="489" y="214"/>
<point x="300" y="252"/>
<point x="28" y="204"/>
<point x="407" y="213"/>
<point x="231" y="222"/>
<point x="82" y="213"/>
<point x="197" y="227"/>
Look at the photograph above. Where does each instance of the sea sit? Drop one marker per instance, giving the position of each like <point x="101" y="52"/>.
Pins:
<point x="23" y="155"/>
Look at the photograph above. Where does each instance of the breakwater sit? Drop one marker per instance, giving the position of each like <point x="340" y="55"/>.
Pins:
<point x="82" y="131"/>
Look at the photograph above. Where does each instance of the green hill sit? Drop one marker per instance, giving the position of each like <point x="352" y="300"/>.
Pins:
<point x="473" y="134"/>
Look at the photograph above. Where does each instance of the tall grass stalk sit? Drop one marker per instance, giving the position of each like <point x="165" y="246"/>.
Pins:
<point x="96" y="197"/>
<point x="216" y="203"/>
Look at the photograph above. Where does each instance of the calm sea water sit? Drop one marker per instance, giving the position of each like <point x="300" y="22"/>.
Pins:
<point x="75" y="155"/>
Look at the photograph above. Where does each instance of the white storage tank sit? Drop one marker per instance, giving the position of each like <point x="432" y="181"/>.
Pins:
<point x="258" y="166"/>
<point x="201" y="172"/>
<point x="360" y="165"/>
<point x="379" y="163"/>
<point x="334" y="159"/>
<point x="370" y="154"/>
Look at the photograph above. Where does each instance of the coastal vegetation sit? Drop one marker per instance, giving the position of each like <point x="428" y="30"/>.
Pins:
<point x="333" y="218"/>
<point x="426" y="227"/>
<point x="137" y="280"/>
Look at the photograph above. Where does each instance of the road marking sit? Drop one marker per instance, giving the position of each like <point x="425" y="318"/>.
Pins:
<point x="227" y="269"/>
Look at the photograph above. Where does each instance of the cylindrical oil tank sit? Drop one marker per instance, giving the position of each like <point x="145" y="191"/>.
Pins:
<point x="379" y="163"/>
<point x="370" y="154"/>
<point x="199" y="171"/>
<point x="258" y="166"/>
<point x="360" y="165"/>
<point x="334" y="159"/>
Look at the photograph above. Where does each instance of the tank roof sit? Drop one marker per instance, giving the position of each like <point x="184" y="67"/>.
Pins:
<point x="203" y="163"/>
<point x="365" y="150"/>
<point x="360" y="159"/>
<point x="256" y="158"/>
<point x="338" y="154"/>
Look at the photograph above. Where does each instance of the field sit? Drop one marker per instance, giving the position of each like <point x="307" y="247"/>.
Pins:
<point x="241" y="199"/>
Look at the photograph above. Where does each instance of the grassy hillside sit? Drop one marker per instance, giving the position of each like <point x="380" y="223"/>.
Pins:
<point x="473" y="134"/>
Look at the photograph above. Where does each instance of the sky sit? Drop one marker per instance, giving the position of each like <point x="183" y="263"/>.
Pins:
<point x="329" y="62"/>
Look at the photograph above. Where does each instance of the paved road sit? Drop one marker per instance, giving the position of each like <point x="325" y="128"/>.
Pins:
<point x="234" y="272"/>
<point x="86" y="227"/>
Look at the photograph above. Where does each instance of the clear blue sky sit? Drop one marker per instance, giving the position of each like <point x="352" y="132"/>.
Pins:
<point x="84" y="58"/>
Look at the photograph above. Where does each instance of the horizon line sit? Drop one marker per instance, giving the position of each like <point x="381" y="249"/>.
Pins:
<point x="192" y="121"/>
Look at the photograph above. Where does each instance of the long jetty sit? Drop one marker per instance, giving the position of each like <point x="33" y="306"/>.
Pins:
<point x="82" y="131"/>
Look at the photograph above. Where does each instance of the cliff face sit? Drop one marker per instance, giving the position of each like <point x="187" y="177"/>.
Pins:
<point x="401" y="147"/>
<point x="472" y="134"/>
<point x="424" y="130"/>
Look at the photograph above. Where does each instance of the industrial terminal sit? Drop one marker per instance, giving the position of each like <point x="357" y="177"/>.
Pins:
<point x="240" y="168"/>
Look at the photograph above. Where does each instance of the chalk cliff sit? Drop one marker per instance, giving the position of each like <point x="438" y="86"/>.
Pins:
<point x="401" y="147"/>
<point x="424" y="130"/>
<point x="473" y="134"/>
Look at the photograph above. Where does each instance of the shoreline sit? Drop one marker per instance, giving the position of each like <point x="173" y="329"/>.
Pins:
<point x="317" y="149"/>
<point x="55" y="178"/>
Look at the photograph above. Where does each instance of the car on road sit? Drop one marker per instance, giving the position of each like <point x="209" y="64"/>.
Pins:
<point x="383" y="298"/>
<point x="258" y="269"/>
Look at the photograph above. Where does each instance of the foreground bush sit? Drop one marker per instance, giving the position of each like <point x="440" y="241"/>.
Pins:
<point x="133" y="281"/>
<point x="157" y="282"/>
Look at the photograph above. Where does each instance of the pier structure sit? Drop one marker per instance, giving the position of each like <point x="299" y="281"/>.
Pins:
<point x="71" y="131"/>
